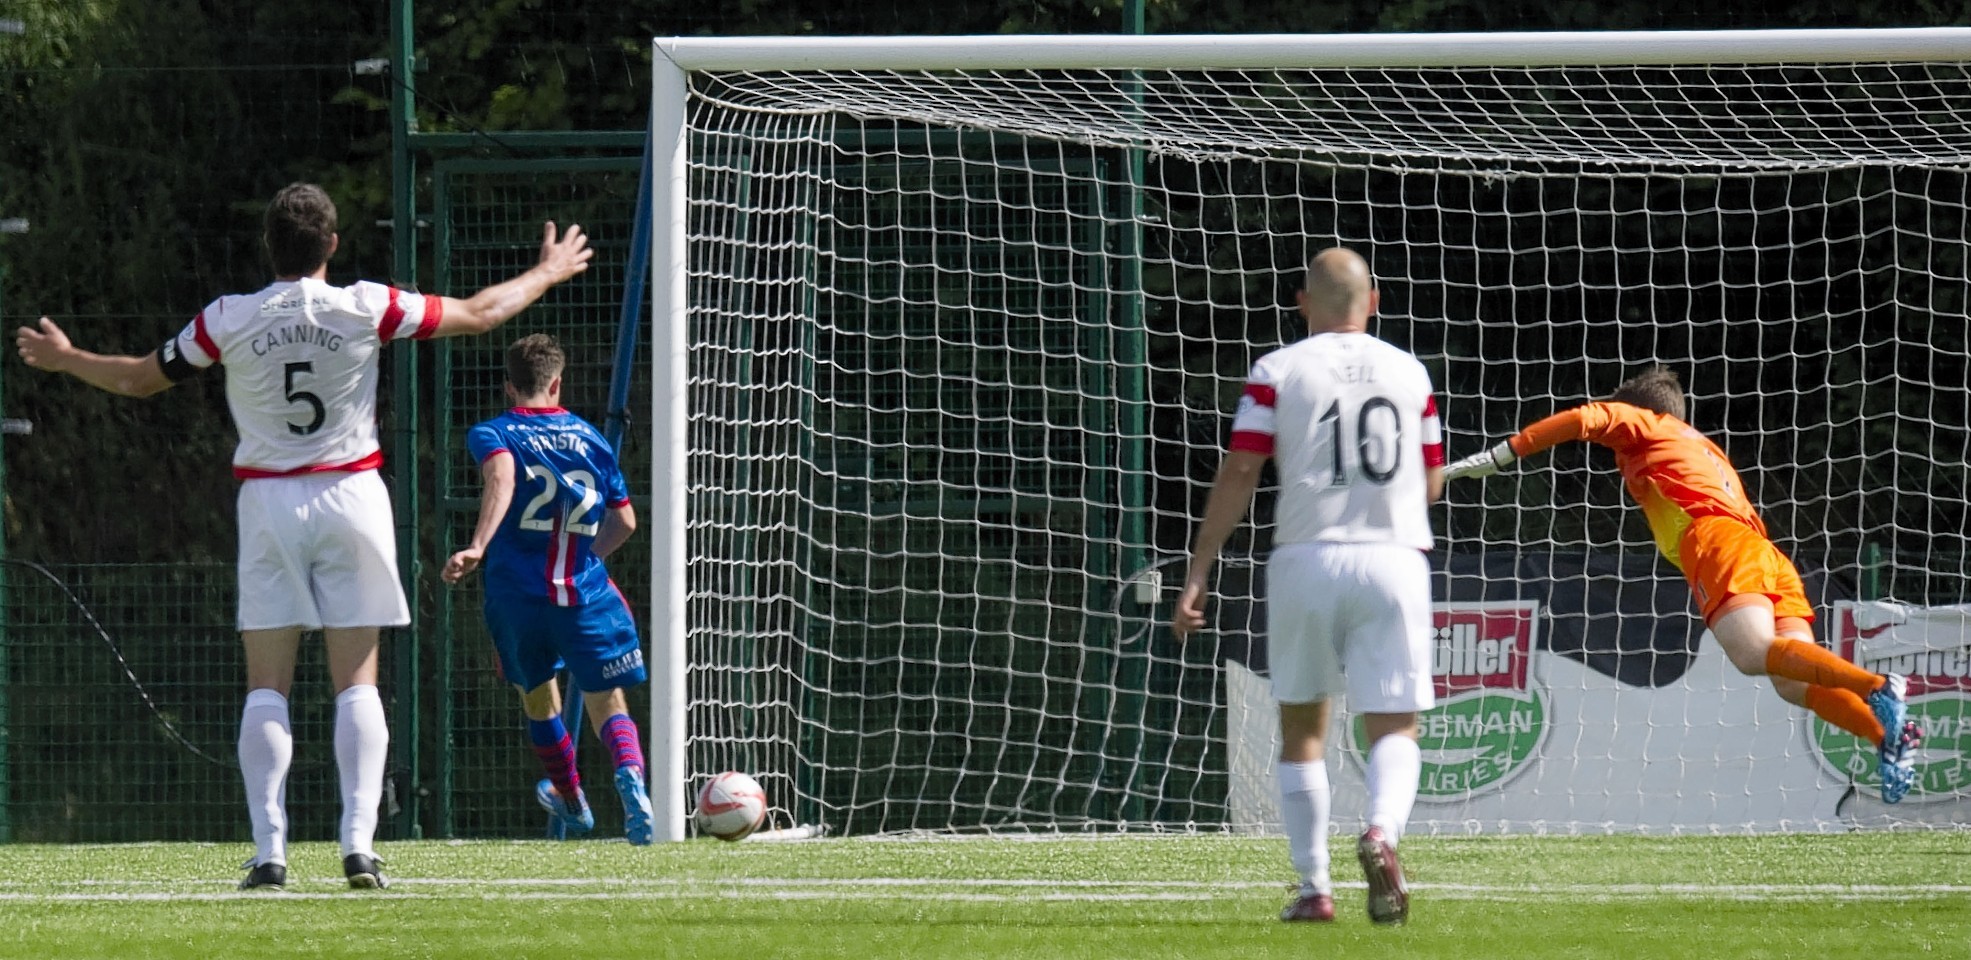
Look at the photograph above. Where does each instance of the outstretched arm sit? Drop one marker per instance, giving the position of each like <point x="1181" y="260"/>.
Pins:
<point x="46" y="347"/>
<point x="1594" y="422"/>
<point x="497" y="472"/>
<point x="561" y="258"/>
<point x="1231" y="494"/>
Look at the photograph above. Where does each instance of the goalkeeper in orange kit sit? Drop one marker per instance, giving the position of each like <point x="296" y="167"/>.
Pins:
<point x="1747" y="591"/>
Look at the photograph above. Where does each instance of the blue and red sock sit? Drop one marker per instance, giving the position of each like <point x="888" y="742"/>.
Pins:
<point x="557" y="753"/>
<point x="619" y="732"/>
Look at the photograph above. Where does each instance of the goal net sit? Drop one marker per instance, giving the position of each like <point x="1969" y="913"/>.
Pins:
<point x="963" y="323"/>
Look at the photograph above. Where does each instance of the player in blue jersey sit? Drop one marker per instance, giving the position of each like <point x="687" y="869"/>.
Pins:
<point x="553" y="507"/>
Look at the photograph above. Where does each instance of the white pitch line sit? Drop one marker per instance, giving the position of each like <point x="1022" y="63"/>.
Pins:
<point x="1635" y="889"/>
<point x="968" y="891"/>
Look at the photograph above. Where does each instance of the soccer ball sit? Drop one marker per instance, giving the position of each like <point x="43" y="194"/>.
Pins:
<point x="731" y="806"/>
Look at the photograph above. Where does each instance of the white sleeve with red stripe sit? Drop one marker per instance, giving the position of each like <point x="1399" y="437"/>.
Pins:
<point x="195" y="342"/>
<point x="400" y="314"/>
<point x="1433" y="434"/>
<point x="1252" y="425"/>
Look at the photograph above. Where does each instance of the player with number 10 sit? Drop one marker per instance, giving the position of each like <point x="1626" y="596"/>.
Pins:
<point x="1351" y="422"/>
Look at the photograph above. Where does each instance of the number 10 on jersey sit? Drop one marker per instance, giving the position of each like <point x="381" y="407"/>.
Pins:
<point x="1378" y="445"/>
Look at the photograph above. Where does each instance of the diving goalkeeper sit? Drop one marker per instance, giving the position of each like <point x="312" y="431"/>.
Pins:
<point x="1747" y="591"/>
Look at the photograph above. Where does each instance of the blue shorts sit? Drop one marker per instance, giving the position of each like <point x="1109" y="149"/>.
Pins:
<point x="596" y="641"/>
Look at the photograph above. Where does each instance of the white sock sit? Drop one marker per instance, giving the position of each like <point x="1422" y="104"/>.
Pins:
<point x="1395" y="764"/>
<point x="1304" y="814"/>
<point x="266" y="748"/>
<point x="362" y="739"/>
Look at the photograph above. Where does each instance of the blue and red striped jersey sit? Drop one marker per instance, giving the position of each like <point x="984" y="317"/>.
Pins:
<point x="565" y="476"/>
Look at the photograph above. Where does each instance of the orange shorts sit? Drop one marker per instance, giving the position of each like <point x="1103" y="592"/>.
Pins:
<point x="1723" y="558"/>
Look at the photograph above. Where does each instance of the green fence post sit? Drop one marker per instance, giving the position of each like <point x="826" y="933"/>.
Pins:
<point x="6" y="784"/>
<point x="1132" y="392"/>
<point x="403" y="441"/>
<point x="441" y="257"/>
<point x="1871" y="585"/>
<point x="1099" y="489"/>
<point x="7" y="226"/>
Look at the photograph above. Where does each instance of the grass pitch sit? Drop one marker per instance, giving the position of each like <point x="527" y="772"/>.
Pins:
<point x="1900" y="895"/>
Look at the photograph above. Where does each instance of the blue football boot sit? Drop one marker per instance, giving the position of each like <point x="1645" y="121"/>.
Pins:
<point x="578" y="820"/>
<point x="1895" y="756"/>
<point x="639" y="826"/>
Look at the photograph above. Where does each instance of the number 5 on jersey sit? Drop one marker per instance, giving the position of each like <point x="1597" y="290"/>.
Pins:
<point x="289" y="372"/>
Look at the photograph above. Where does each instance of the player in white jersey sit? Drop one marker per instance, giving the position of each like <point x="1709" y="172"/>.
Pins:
<point x="1354" y="430"/>
<point x="316" y="537"/>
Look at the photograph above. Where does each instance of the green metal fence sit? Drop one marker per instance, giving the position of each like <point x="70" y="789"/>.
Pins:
<point x="128" y="732"/>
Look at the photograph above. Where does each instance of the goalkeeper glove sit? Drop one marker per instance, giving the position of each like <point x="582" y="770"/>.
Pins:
<point x="1482" y="464"/>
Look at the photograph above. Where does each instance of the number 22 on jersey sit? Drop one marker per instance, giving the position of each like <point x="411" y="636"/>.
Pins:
<point x="579" y="483"/>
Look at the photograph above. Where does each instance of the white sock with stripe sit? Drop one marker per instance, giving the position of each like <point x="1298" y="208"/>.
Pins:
<point x="362" y="741"/>
<point x="266" y="748"/>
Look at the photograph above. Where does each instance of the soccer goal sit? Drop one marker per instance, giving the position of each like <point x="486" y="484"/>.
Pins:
<point x="948" y="332"/>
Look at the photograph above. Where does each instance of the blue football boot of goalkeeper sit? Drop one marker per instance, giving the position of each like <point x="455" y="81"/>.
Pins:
<point x="578" y="820"/>
<point x="1894" y="757"/>
<point x="639" y="825"/>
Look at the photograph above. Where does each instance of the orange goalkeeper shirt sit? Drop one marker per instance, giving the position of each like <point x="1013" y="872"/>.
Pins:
<point x="1675" y="473"/>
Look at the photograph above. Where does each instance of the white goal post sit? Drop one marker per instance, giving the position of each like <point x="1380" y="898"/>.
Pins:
<point x="947" y="328"/>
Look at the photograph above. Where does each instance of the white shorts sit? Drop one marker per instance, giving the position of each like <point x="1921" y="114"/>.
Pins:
<point x="319" y="550"/>
<point x="1353" y="618"/>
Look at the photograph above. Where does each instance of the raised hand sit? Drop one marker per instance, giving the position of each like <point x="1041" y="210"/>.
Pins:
<point x="567" y="255"/>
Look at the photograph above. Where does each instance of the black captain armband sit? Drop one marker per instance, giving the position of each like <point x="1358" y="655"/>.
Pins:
<point x="176" y="367"/>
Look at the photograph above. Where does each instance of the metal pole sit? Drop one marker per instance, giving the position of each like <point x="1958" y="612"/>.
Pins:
<point x="669" y="423"/>
<point x="1310" y="51"/>
<point x="6" y="752"/>
<point x="635" y="280"/>
<point x="443" y="765"/>
<point x="1132" y="393"/>
<point x="14" y="225"/>
<point x="616" y="419"/>
<point x="403" y="434"/>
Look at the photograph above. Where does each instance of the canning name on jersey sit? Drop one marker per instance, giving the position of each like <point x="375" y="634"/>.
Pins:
<point x="300" y="360"/>
<point x="1352" y="426"/>
<point x="565" y="476"/>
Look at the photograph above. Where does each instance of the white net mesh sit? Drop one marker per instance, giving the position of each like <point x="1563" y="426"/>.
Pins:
<point x="957" y="397"/>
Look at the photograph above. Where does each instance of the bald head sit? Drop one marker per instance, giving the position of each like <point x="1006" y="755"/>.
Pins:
<point x="1338" y="294"/>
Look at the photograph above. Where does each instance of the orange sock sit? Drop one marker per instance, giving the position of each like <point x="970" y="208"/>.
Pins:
<point x="1845" y="710"/>
<point x="1815" y="665"/>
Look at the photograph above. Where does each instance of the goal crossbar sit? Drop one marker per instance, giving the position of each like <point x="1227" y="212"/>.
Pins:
<point x="1307" y="51"/>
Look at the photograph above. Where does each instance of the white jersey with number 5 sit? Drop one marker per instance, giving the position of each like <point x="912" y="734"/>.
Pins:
<point x="301" y="359"/>
<point x="1351" y="425"/>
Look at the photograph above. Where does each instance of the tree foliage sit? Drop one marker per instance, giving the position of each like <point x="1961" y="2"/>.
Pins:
<point x="146" y="134"/>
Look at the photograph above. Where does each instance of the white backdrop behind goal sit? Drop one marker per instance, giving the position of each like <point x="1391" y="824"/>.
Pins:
<point x="962" y="346"/>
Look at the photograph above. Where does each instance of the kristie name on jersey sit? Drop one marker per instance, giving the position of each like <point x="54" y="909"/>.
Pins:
<point x="549" y="437"/>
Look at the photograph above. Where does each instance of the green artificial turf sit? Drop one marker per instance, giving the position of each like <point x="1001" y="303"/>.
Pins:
<point x="1889" y="895"/>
